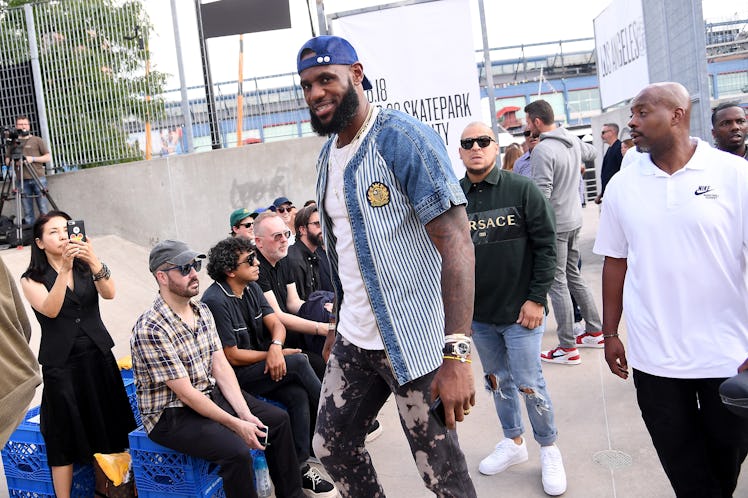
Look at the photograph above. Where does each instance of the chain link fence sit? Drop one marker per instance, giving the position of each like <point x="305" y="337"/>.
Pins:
<point x="80" y="70"/>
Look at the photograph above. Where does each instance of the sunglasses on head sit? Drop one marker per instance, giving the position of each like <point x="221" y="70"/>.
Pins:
<point x="185" y="269"/>
<point x="246" y="225"/>
<point x="483" y="142"/>
<point x="283" y="209"/>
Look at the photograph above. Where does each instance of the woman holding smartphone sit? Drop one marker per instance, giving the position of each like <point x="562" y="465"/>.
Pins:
<point x="84" y="407"/>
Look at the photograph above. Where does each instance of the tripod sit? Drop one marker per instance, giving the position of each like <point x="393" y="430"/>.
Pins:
<point x="13" y="188"/>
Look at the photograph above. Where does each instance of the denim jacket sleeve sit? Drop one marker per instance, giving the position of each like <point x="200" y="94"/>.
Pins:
<point x="421" y="164"/>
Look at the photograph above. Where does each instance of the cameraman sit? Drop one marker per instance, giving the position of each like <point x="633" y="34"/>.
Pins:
<point x="36" y="154"/>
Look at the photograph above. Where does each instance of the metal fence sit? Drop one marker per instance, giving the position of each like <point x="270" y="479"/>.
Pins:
<point x="80" y="70"/>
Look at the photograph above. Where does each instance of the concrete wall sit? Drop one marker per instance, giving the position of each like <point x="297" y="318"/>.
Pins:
<point x="187" y="197"/>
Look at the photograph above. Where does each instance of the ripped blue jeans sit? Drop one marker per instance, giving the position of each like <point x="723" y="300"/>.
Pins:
<point x="510" y="355"/>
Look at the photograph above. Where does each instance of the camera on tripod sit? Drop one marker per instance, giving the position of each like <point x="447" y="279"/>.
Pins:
<point x="13" y="141"/>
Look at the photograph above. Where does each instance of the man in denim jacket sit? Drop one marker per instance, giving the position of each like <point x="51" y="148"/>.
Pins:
<point x="394" y="223"/>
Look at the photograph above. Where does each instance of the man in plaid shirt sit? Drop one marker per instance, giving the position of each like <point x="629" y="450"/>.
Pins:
<point x="188" y="394"/>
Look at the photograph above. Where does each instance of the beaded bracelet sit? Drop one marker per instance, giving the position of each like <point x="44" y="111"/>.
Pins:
<point x="104" y="273"/>
<point x="610" y="336"/>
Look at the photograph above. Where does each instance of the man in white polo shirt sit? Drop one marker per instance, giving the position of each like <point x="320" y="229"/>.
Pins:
<point x="673" y="230"/>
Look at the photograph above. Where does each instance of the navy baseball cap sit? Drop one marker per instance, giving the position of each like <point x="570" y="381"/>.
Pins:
<point x="329" y="50"/>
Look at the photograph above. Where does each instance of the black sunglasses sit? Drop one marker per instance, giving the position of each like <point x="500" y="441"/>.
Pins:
<point x="250" y="260"/>
<point x="185" y="269"/>
<point x="246" y="225"/>
<point x="483" y="142"/>
<point x="283" y="209"/>
<point x="527" y="133"/>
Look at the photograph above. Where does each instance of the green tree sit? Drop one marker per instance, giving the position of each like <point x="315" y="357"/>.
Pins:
<point x="93" y="56"/>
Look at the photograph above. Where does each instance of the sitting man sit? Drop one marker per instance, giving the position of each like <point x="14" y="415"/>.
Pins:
<point x="303" y="255"/>
<point x="287" y="212"/>
<point x="253" y="337"/>
<point x="188" y="394"/>
<point x="242" y="223"/>
<point x="279" y="287"/>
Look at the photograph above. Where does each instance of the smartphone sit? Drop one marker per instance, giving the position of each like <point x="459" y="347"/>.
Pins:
<point x="437" y="411"/>
<point x="76" y="230"/>
<point x="264" y="439"/>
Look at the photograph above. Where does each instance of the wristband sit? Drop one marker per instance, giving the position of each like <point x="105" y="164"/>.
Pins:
<point x="276" y="342"/>
<point x="104" y="273"/>
<point x="610" y="336"/>
<point x="456" y="337"/>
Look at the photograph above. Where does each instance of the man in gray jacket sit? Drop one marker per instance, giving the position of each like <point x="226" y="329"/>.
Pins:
<point x="555" y="165"/>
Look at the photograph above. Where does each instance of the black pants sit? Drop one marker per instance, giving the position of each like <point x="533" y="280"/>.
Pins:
<point x="184" y="430"/>
<point x="701" y="444"/>
<point x="298" y="390"/>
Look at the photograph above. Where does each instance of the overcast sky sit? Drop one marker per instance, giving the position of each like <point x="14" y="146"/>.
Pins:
<point x="274" y="52"/>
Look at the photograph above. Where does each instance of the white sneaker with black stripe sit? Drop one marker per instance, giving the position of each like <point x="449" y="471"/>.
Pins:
<point x="564" y="356"/>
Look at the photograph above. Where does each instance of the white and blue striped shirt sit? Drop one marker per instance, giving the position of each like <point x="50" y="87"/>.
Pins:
<point x="398" y="180"/>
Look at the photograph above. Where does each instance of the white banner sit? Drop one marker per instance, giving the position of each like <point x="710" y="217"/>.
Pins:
<point x="420" y="60"/>
<point x="621" y="48"/>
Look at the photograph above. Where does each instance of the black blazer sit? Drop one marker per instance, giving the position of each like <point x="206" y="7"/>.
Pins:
<point x="79" y="315"/>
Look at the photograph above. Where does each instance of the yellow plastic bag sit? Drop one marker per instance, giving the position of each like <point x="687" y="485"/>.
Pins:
<point x="125" y="363"/>
<point x="113" y="475"/>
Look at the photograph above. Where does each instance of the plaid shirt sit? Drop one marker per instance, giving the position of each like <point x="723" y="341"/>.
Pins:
<point x="164" y="348"/>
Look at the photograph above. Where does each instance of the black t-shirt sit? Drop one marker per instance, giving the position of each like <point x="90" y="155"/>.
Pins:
<point x="275" y="278"/>
<point x="239" y="320"/>
<point x="304" y="267"/>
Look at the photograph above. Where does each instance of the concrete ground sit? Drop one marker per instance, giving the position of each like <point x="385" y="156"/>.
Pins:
<point x="607" y="451"/>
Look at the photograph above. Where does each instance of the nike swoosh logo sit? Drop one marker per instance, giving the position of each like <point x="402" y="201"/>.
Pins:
<point x="701" y="191"/>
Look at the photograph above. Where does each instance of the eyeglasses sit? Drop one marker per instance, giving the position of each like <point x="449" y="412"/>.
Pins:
<point x="246" y="225"/>
<point x="527" y="133"/>
<point x="315" y="223"/>
<point x="185" y="269"/>
<point x="284" y="209"/>
<point x="483" y="142"/>
<point x="278" y="236"/>
<point x="249" y="261"/>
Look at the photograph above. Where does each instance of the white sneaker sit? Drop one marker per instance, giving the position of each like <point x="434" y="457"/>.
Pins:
<point x="565" y="356"/>
<point x="554" y="475"/>
<point x="590" y="340"/>
<point x="375" y="430"/>
<point x="506" y="454"/>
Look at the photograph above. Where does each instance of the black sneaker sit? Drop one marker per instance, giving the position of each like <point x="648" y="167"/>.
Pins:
<point x="313" y="484"/>
<point x="375" y="430"/>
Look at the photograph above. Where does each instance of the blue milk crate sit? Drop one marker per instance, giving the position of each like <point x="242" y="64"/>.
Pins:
<point x="126" y="373"/>
<point x="132" y="397"/>
<point x="83" y="485"/>
<point x="25" y="463"/>
<point x="164" y="473"/>
<point x="24" y="455"/>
